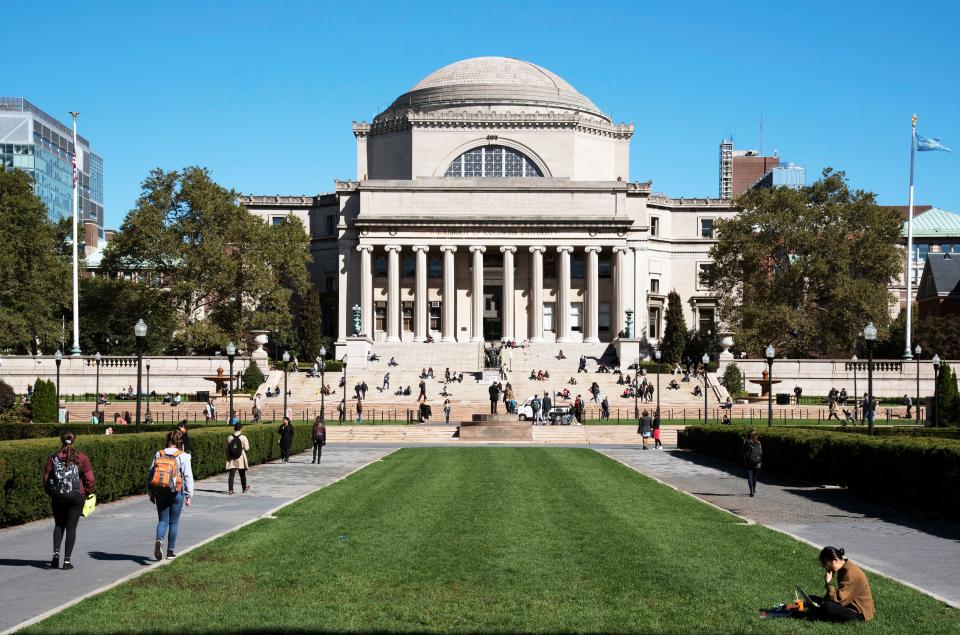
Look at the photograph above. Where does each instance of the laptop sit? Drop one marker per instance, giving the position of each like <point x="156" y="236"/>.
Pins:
<point x="806" y="598"/>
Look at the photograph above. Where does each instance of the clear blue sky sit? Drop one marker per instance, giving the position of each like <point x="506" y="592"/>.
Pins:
<point x="264" y="93"/>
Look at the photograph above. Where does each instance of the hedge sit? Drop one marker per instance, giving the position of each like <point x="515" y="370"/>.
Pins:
<point x="920" y="471"/>
<point x="15" y="432"/>
<point x="892" y="431"/>
<point x="120" y="463"/>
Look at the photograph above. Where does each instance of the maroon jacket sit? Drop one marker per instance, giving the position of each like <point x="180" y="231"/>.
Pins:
<point x="86" y="472"/>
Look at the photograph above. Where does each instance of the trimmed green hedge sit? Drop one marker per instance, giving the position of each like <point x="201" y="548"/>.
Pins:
<point x="120" y="463"/>
<point x="921" y="472"/>
<point x="893" y="431"/>
<point x="16" y="432"/>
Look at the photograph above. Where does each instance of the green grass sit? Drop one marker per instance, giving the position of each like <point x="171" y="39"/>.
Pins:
<point x="489" y="540"/>
<point x="756" y="421"/>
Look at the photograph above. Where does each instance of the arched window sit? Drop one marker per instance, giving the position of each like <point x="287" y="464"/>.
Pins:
<point x="492" y="161"/>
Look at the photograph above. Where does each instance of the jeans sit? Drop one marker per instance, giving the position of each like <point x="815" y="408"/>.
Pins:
<point x="66" y="515"/>
<point x="317" y="449"/>
<point x="752" y="479"/>
<point x="243" y="479"/>
<point x="169" y="507"/>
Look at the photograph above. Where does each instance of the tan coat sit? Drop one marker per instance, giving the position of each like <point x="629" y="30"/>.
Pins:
<point x="241" y="463"/>
<point x="853" y="590"/>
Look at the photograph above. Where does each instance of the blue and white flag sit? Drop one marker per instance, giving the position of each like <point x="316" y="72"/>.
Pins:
<point x="930" y="145"/>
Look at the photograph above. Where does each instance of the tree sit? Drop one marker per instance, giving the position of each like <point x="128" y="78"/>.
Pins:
<point x="733" y="380"/>
<point x="949" y="398"/>
<point x="940" y="335"/>
<point x="805" y="269"/>
<point x="43" y="403"/>
<point x="109" y="307"/>
<point x="222" y="266"/>
<point x="252" y="377"/>
<point x="311" y="325"/>
<point x="8" y="398"/>
<point x="675" y="330"/>
<point x="34" y="268"/>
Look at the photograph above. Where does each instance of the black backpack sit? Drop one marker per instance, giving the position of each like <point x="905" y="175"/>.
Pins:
<point x="235" y="447"/>
<point x="64" y="478"/>
<point x="753" y="454"/>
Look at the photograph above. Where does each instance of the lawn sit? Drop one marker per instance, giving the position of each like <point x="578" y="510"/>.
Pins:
<point x="489" y="540"/>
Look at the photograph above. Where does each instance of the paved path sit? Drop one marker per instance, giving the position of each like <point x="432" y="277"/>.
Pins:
<point x="914" y="547"/>
<point x="103" y="554"/>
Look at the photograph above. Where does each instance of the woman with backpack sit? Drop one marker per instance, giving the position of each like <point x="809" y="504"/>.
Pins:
<point x="67" y="480"/>
<point x="319" y="439"/>
<point x="237" y="447"/>
<point x="171" y="488"/>
<point x="752" y="458"/>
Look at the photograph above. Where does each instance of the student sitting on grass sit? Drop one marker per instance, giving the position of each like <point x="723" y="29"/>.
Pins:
<point x="851" y="599"/>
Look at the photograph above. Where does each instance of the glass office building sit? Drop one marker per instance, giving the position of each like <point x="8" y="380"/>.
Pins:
<point x="37" y="143"/>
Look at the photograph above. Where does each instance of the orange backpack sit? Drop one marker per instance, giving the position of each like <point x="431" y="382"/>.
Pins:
<point x="166" y="472"/>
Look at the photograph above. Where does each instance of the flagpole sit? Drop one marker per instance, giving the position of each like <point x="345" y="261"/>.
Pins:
<point x="76" y="204"/>
<point x="907" y="353"/>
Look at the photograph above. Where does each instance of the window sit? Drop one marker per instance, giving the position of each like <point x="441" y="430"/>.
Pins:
<point x="408" y="265"/>
<point x="706" y="320"/>
<point x="492" y="161"/>
<point x="549" y="265"/>
<point x="704" y="269"/>
<point x="379" y="316"/>
<point x="706" y="228"/>
<point x="654" y="225"/>
<point x="603" y="318"/>
<point x="653" y="323"/>
<point x="380" y="265"/>
<point x="576" y="265"/>
<point x="654" y="285"/>
<point x="435" y="266"/>
<point x="924" y="249"/>
<point x="406" y="313"/>
<point x="435" y="312"/>
<point x="576" y="313"/>
<point x="276" y="220"/>
<point x="603" y="265"/>
<point x="331" y="224"/>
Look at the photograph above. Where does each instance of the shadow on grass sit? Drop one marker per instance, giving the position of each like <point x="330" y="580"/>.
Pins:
<point x="13" y="562"/>
<point x="102" y="555"/>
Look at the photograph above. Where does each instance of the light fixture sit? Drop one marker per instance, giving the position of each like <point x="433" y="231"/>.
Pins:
<point x="286" y="357"/>
<point x="770" y="352"/>
<point x="706" y="358"/>
<point x="323" y="351"/>
<point x="98" y="357"/>
<point x="917" y="350"/>
<point x="231" y="349"/>
<point x="870" y="332"/>
<point x="58" y="355"/>
<point x="140" y="328"/>
<point x="936" y="361"/>
<point x="656" y="354"/>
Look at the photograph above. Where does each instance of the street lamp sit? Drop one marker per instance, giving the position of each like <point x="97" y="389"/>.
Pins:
<point x="917" y="352"/>
<point x="856" y="395"/>
<point x="656" y="355"/>
<point x="343" y="363"/>
<point x="231" y="354"/>
<point x="58" y="357"/>
<point x="706" y="360"/>
<point x="870" y="335"/>
<point x="96" y="398"/>
<point x="323" y="386"/>
<point x="149" y="418"/>
<point x="936" y="390"/>
<point x="770" y="353"/>
<point x="286" y="364"/>
<point x="140" y="330"/>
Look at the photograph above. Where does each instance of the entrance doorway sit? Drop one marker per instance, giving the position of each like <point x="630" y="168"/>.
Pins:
<point x="492" y="313"/>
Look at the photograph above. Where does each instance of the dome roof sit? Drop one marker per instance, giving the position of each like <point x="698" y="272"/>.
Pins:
<point x="492" y="81"/>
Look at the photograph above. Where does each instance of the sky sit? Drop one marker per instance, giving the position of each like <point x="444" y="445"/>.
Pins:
<point x="263" y="94"/>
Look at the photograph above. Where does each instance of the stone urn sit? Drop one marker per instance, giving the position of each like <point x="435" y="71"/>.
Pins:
<point x="726" y="342"/>
<point x="260" y="338"/>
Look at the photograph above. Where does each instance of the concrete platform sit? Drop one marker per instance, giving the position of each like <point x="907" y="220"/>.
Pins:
<point x="495" y="427"/>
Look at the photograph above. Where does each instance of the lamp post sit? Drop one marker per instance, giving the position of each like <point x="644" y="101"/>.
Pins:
<point x="706" y="360"/>
<point x="917" y="352"/>
<point x="96" y="398"/>
<point x="656" y="355"/>
<point x="286" y="365"/>
<point x="856" y="395"/>
<point x="140" y="330"/>
<point x="936" y="390"/>
<point x="770" y="353"/>
<point x="323" y="385"/>
<point x="870" y="335"/>
<point x="58" y="357"/>
<point x="149" y="417"/>
<point x="231" y="355"/>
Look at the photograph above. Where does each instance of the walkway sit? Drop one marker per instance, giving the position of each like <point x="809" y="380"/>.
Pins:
<point x="103" y="556"/>
<point x="917" y="548"/>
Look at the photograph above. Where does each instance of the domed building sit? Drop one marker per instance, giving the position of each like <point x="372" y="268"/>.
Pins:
<point x="493" y="203"/>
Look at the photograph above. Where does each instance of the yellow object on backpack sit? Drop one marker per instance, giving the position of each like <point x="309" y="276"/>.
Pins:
<point x="89" y="505"/>
<point x="166" y="472"/>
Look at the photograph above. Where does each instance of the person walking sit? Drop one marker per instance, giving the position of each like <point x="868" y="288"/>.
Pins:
<point x="171" y="489"/>
<point x="535" y="407"/>
<point x="363" y="389"/>
<point x="237" y="447"/>
<point x="209" y="411"/>
<point x="67" y="480"/>
<point x="907" y="400"/>
<point x="546" y="405"/>
<point x="833" y="410"/>
<point x="656" y="430"/>
<point x="645" y="429"/>
<point x="359" y="410"/>
<point x="342" y="411"/>
<point x="185" y="438"/>
<point x="494" y="391"/>
<point x="604" y="409"/>
<point x="386" y="382"/>
<point x="752" y="454"/>
<point x="423" y="390"/>
<point x="286" y="439"/>
<point x="319" y="439"/>
<point x="446" y="410"/>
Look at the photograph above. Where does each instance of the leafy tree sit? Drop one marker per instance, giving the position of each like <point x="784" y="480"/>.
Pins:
<point x="8" y="398"/>
<point x="109" y="307"/>
<point x="34" y="268"/>
<point x="252" y="377"/>
<point x="805" y="269"/>
<point x="675" y="330"/>
<point x="700" y="342"/>
<point x="940" y="335"/>
<point x="949" y="397"/>
<point x="43" y="402"/>
<point x="223" y="266"/>
<point x="733" y="379"/>
<point x="311" y="325"/>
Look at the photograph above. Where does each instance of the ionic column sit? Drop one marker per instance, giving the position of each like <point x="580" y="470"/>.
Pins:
<point x="366" y="291"/>
<point x="592" y="305"/>
<point x="508" y="321"/>
<point x="477" y="334"/>
<point x="535" y="308"/>
<point x="343" y="295"/>
<point x="393" y="293"/>
<point x="449" y="325"/>
<point x="563" y="295"/>
<point x="420" y="299"/>
<point x="619" y="304"/>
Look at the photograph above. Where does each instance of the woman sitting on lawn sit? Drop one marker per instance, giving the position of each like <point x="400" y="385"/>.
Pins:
<point x="851" y="599"/>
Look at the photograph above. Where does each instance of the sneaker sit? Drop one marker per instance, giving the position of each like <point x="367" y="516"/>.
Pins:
<point x="246" y="490"/>
<point x="158" y="550"/>
<point x="55" y="562"/>
<point x="170" y="554"/>
<point x="231" y="492"/>
<point x="66" y="564"/>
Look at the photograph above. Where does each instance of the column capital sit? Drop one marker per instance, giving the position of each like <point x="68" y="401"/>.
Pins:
<point x="364" y="247"/>
<point x="564" y="248"/>
<point x="621" y="250"/>
<point x="392" y="247"/>
<point x="421" y="248"/>
<point x="476" y="248"/>
<point x="505" y="249"/>
<point x="536" y="248"/>
<point x="450" y="248"/>
<point x="593" y="249"/>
